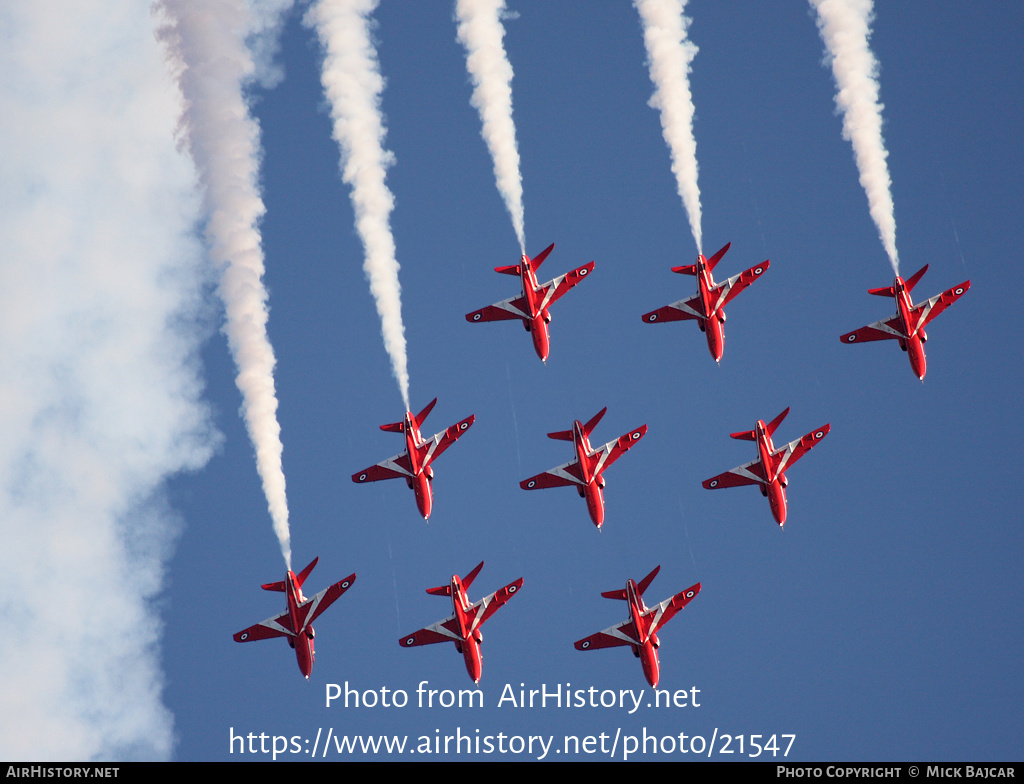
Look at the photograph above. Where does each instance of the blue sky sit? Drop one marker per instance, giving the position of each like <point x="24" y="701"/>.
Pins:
<point x="884" y="622"/>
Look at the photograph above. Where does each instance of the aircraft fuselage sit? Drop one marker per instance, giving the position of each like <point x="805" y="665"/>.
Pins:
<point x="539" y="314"/>
<point x="913" y="343"/>
<point x="776" y="482"/>
<point x="647" y="647"/>
<point x="419" y="482"/>
<point x="302" y="642"/>
<point x="594" y="482"/>
<point x="713" y="319"/>
<point x="469" y="646"/>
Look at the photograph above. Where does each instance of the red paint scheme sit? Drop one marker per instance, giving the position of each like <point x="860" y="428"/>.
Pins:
<point x="769" y="469"/>
<point x="463" y="626"/>
<point x="585" y="471"/>
<point x="638" y="631"/>
<point x="907" y="326"/>
<point x="708" y="306"/>
<point x="413" y="464"/>
<point x="296" y="623"/>
<point x="532" y="306"/>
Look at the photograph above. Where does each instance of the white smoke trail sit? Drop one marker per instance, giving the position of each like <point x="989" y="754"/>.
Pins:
<point x="669" y="54"/>
<point x="100" y="302"/>
<point x="353" y="84"/>
<point x="206" y="42"/>
<point x="845" y="27"/>
<point x="481" y="33"/>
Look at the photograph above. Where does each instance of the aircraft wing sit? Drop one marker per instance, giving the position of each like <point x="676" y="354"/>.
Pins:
<point x="441" y="441"/>
<point x="926" y="311"/>
<point x="278" y="626"/>
<point x="889" y="329"/>
<point x="565" y="475"/>
<point x="395" y="467"/>
<point x="489" y="605"/>
<point x="621" y="634"/>
<point x="725" y="292"/>
<point x="613" y="450"/>
<point x="664" y="612"/>
<point x="677" y="311"/>
<point x="785" y="457"/>
<point x="314" y="607"/>
<point x="442" y="631"/>
<point x="512" y="308"/>
<point x="555" y="289"/>
<point x="750" y="473"/>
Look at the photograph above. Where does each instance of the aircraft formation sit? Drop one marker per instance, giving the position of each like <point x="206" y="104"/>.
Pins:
<point x="585" y="472"/>
<point x="769" y="470"/>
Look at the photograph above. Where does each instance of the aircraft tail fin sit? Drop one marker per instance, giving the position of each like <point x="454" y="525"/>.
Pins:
<point x="539" y="258"/>
<point x="773" y="425"/>
<point x="512" y="269"/>
<point x="686" y="269"/>
<point x="646" y="582"/>
<point x="420" y="417"/>
<point x="561" y="435"/>
<point x="915" y="278"/>
<point x="468" y="579"/>
<point x="718" y="256"/>
<point x="300" y="578"/>
<point x="589" y="427"/>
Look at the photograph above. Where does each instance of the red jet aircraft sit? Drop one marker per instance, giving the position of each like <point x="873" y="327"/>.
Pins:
<point x="769" y="470"/>
<point x="638" y="631"/>
<point x="296" y="623"/>
<point x="707" y="306"/>
<point x="463" y="627"/>
<point x="907" y="326"/>
<point x="532" y="305"/>
<point x="585" y="471"/>
<point x="413" y="464"/>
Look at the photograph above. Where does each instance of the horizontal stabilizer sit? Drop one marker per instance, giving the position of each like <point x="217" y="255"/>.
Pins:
<point x="468" y="580"/>
<point x="589" y="427"/>
<point x="915" y="278"/>
<point x="646" y="582"/>
<point x="718" y="256"/>
<point x="561" y="435"/>
<point x="774" y="424"/>
<point x="512" y="269"/>
<point x="746" y="435"/>
<point x="619" y="594"/>
<point x="441" y="590"/>
<point x="887" y="291"/>
<point x="274" y="587"/>
<point x="686" y="269"/>
<point x="420" y="417"/>
<point x="394" y="427"/>
<point x="305" y="572"/>
<point x="539" y="258"/>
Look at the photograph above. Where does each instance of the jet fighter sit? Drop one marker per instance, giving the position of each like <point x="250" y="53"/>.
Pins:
<point x="413" y="464"/>
<point x="638" y="631"/>
<point x="532" y="305"/>
<point x="586" y="469"/>
<point x="707" y="306"/>
<point x="463" y="626"/>
<point x="769" y="469"/>
<point x="907" y="326"/>
<point x="296" y="623"/>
